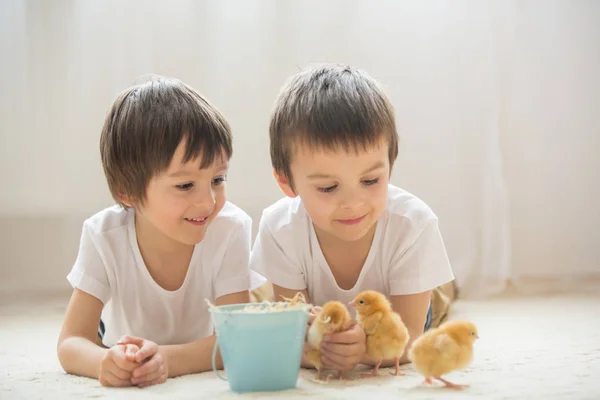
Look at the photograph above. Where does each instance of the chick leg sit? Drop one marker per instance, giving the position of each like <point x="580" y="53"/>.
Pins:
<point x="452" y="385"/>
<point x="320" y="375"/>
<point x="314" y="356"/>
<point x="375" y="371"/>
<point x="428" y="381"/>
<point x="397" y="372"/>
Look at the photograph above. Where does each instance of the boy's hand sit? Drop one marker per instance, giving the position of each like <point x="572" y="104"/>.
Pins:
<point x="152" y="366"/>
<point x="343" y="351"/>
<point x="117" y="366"/>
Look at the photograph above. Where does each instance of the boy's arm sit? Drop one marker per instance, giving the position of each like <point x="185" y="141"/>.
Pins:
<point x="417" y="269"/>
<point x="196" y="357"/>
<point x="413" y="311"/>
<point x="78" y="351"/>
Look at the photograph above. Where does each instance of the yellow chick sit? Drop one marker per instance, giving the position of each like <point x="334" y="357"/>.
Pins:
<point x="440" y="351"/>
<point x="330" y="319"/>
<point x="387" y="336"/>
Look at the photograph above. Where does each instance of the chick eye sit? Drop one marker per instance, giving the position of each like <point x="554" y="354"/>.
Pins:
<point x="361" y="302"/>
<point x="472" y="333"/>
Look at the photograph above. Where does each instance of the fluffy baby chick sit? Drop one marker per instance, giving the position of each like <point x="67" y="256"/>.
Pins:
<point x="445" y="349"/>
<point x="387" y="336"/>
<point x="330" y="319"/>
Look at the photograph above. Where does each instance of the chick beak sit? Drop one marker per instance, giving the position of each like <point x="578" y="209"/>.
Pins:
<point x="352" y="304"/>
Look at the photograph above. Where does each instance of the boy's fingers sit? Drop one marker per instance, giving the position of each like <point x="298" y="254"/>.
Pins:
<point x="151" y="383"/>
<point x="130" y="352"/>
<point x="119" y="373"/>
<point x="144" y="379"/>
<point x="148" y="349"/>
<point x="340" y="349"/>
<point x="149" y="367"/>
<point x="116" y="381"/>
<point x="120" y="359"/>
<point x="131" y="340"/>
<point x="348" y="337"/>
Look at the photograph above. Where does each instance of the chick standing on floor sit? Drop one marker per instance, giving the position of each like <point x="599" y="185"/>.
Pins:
<point x="332" y="318"/>
<point x="387" y="335"/>
<point x="443" y="350"/>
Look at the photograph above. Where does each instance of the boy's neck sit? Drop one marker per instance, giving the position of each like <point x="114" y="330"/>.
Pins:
<point x="166" y="260"/>
<point x="329" y="241"/>
<point x="345" y="259"/>
<point x="151" y="238"/>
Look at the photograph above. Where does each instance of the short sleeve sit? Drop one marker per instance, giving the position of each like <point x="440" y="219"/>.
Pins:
<point x="233" y="275"/>
<point x="270" y="260"/>
<point x="89" y="272"/>
<point x="423" y="266"/>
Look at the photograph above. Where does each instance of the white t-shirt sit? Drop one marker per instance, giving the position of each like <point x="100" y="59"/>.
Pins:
<point x="407" y="254"/>
<point x="110" y="267"/>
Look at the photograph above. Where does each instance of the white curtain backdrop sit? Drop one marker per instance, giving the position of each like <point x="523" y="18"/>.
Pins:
<point x="498" y="106"/>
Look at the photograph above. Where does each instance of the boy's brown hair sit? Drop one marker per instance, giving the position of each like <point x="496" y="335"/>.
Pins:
<point x="143" y="128"/>
<point x="330" y="106"/>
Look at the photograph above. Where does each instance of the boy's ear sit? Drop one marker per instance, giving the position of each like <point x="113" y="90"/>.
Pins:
<point x="125" y="200"/>
<point x="284" y="184"/>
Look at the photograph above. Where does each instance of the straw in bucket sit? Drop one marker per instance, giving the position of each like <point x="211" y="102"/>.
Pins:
<point x="261" y="344"/>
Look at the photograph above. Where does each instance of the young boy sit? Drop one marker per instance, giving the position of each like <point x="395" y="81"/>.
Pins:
<point x="342" y="227"/>
<point x="138" y="314"/>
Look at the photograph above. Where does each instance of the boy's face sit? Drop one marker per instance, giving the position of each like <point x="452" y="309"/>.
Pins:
<point x="344" y="193"/>
<point x="183" y="200"/>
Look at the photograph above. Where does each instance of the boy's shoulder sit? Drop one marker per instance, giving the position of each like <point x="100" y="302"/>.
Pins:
<point x="401" y="204"/>
<point x="109" y="219"/>
<point x="287" y="212"/>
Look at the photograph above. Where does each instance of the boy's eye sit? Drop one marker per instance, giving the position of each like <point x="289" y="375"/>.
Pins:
<point x="369" y="182"/>
<point x="185" y="186"/>
<point x="219" y="180"/>
<point x="327" y="189"/>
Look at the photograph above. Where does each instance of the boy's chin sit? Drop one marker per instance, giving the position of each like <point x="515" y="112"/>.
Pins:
<point x="192" y="240"/>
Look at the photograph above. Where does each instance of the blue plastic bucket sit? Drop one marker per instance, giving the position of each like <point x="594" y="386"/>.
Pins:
<point x="261" y="351"/>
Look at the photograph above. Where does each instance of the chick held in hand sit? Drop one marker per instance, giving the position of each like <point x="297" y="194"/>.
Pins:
<point x="443" y="350"/>
<point x="387" y="336"/>
<point x="331" y="318"/>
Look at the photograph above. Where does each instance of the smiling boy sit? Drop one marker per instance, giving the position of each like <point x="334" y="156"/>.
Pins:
<point x="146" y="265"/>
<point x="343" y="227"/>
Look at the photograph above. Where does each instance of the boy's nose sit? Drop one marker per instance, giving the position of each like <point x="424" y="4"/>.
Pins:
<point x="205" y="199"/>
<point x="351" y="201"/>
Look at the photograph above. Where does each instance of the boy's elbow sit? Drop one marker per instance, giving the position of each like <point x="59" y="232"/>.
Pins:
<point x="62" y="353"/>
<point x="66" y="354"/>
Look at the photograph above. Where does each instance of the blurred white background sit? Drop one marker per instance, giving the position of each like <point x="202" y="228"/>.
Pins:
<point x="498" y="108"/>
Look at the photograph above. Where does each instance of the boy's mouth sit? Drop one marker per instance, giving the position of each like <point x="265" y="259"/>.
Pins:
<point x="351" y="221"/>
<point x="197" y="220"/>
